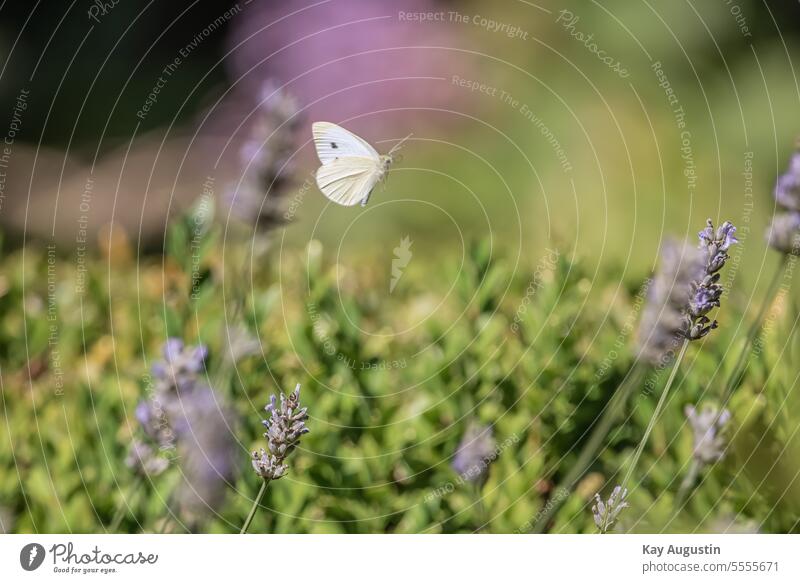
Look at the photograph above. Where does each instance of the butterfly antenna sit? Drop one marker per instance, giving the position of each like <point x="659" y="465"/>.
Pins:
<point x="399" y="144"/>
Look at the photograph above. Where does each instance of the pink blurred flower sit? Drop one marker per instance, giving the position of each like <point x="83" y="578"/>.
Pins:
<point x="354" y="58"/>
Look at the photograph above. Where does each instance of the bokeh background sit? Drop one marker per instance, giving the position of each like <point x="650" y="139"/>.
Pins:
<point x="524" y="141"/>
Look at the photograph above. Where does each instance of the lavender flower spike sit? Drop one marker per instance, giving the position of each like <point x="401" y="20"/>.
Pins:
<point x="706" y="291"/>
<point x="787" y="187"/>
<point x="144" y="460"/>
<point x="706" y="426"/>
<point x="606" y="513"/>
<point x="663" y="324"/>
<point x="285" y="426"/>
<point x="266" y="160"/>
<point x="181" y="367"/>
<point x="474" y="454"/>
<point x="783" y="233"/>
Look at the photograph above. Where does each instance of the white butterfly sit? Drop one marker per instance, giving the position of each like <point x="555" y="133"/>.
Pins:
<point x="350" y="166"/>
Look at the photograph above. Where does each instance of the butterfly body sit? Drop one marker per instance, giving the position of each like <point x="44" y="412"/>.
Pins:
<point x="351" y="168"/>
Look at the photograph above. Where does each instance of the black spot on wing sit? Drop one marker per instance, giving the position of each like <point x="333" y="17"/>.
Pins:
<point x="334" y="145"/>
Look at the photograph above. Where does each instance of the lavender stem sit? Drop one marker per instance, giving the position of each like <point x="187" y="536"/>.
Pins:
<point x="610" y="415"/>
<point x="673" y="373"/>
<point x="254" y="509"/>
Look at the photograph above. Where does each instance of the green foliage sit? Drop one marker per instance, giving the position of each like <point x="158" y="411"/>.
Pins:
<point x="391" y="381"/>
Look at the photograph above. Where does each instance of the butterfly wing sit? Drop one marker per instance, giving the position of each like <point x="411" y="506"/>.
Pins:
<point x="333" y="142"/>
<point x="347" y="181"/>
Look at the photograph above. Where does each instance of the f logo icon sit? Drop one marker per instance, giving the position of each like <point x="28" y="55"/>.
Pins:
<point x="31" y="556"/>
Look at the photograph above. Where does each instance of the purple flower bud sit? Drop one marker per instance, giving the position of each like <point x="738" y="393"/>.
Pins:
<point x="703" y="301"/>
<point x="706" y="235"/>
<point x="700" y="328"/>
<point x="725" y="234"/>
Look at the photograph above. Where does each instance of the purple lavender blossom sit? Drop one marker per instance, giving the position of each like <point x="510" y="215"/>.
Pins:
<point x="706" y="291"/>
<point x="259" y="196"/>
<point x="706" y="426"/>
<point x="285" y="426"/>
<point x="207" y="448"/>
<point x="144" y="460"/>
<point x="783" y="233"/>
<point x="181" y="366"/>
<point x="185" y="415"/>
<point x="663" y="323"/>
<point x="606" y="513"/>
<point x="721" y="240"/>
<point x="703" y="301"/>
<point x="176" y="376"/>
<point x="154" y="423"/>
<point x="476" y="450"/>
<point x="787" y="187"/>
